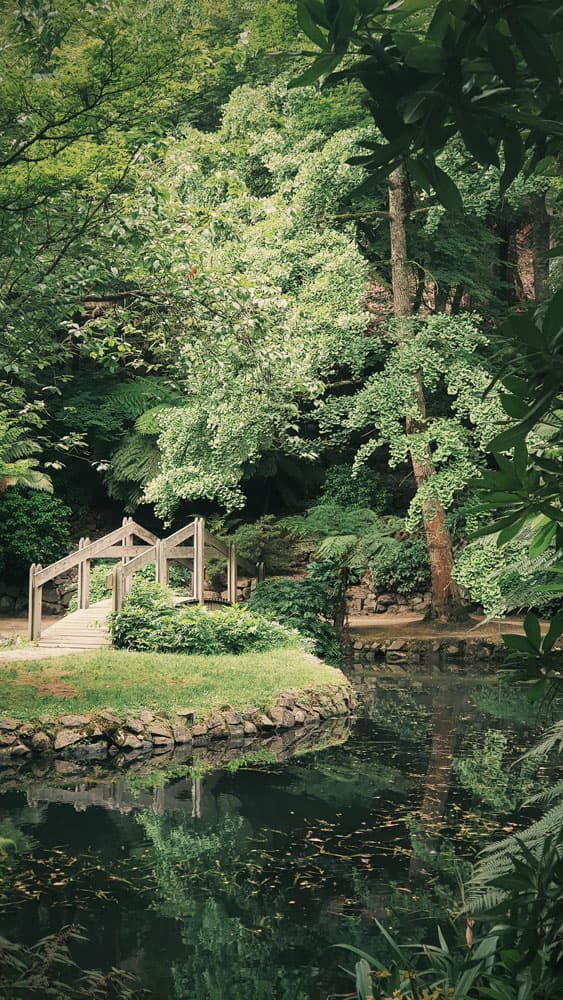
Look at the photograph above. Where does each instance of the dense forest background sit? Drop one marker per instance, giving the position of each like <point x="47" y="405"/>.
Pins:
<point x="197" y="310"/>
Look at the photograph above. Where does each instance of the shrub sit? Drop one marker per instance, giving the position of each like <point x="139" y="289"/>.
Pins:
<point x="363" y="489"/>
<point x="34" y="527"/>
<point x="149" y="621"/>
<point x="504" y="580"/>
<point x="302" y="605"/>
<point x="402" y="568"/>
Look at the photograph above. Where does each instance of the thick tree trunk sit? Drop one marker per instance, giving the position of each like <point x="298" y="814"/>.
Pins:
<point x="540" y="244"/>
<point x="445" y="594"/>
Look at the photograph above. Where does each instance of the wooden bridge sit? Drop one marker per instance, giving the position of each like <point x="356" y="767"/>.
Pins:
<point x="133" y="548"/>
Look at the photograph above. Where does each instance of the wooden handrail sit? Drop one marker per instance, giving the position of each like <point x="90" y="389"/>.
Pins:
<point x="93" y="550"/>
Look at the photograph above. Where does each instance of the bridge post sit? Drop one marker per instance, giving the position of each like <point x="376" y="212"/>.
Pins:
<point x="199" y="559"/>
<point x="232" y="575"/>
<point x="83" y="577"/>
<point x="126" y="540"/>
<point x="117" y="588"/>
<point x="160" y="564"/>
<point x="34" y="605"/>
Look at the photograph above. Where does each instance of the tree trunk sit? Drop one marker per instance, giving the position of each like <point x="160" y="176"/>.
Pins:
<point x="445" y="594"/>
<point x="540" y="244"/>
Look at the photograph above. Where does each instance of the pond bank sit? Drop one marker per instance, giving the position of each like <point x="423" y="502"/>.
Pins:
<point x="63" y="709"/>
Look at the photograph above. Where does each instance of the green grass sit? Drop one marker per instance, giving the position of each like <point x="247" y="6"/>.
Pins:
<point x="125" y="682"/>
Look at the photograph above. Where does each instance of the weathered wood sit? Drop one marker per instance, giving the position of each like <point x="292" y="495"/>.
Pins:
<point x="30" y="603"/>
<point x="199" y="559"/>
<point x="160" y="561"/>
<point x="93" y="550"/>
<point x="232" y="574"/>
<point x="123" y="552"/>
<point x="83" y="577"/>
<point x="181" y="552"/>
<point x="144" y="559"/>
<point x="216" y="543"/>
<point x="179" y="536"/>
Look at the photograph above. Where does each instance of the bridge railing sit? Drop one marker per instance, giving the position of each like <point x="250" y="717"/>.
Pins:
<point x="119" y="544"/>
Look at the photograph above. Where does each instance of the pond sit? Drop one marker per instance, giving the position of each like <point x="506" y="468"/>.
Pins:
<point x="234" y="883"/>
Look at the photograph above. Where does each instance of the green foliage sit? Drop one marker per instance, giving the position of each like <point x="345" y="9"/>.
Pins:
<point x="506" y="584"/>
<point x="266" y="540"/>
<point x="303" y="605"/>
<point x="17" y="448"/>
<point x="34" y="527"/>
<point x="499" y="55"/>
<point x="402" y="568"/>
<point x="360" y="488"/>
<point x="487" y="774"/>
<point x="148" y="620"/>
<point x="48" y="969"/>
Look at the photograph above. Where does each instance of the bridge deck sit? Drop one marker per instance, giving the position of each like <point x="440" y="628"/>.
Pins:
<point x="86" y="629"/>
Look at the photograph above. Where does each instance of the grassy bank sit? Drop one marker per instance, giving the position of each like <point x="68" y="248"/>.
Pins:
<point x="126" y="682"/>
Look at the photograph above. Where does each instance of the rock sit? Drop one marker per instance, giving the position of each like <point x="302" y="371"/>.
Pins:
<point x="186" y="713"/>
<point x="6" y="739"/>
<point x="215" y="721"/>
<point x="287" y="700"/>
<point x="134" y="726"/>
<point x="218" y="732"/>
<point x="110" y="717"/>
<point x="65" y="737"/>
<point x="8" y="725"/>
<point x="126" y="740"/>
<point x="146" y="717"/>
<point x="397" y="645"/>
<point x="181" y="734"/>
<point x="249" y="728"/>
<point x="26" y="729"/>
<point x="236" y="732"/>
<point x="160" y="729"/>
<point x="199" y="730"/>
<point x="263" y="722"/>
<point x="19" y="750"/>
<point x="231" y="717"/>
<point x="72" y="721"/>
<point x="40" y="742"/>
<point x="6" y="603"/>
<point x="299" y="716"/>
<point x="162" y="741"/>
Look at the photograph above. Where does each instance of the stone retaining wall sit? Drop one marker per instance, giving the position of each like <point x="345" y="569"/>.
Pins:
<point x="57" y="595"/>
<point x="425" y="652"/>
<point x="363" y="599"/>
<point x="101" y="734"/>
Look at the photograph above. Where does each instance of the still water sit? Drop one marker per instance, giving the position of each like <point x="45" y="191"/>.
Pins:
<point x="234" y="882"/>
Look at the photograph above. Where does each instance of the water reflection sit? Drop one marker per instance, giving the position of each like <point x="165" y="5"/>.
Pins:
<point x="234" y="882"/>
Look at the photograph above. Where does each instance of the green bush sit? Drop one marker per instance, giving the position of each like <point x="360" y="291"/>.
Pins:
<point x="34" y="527"/>
<point x="504" y="580"/>
<point x="301" y="605"/>
<point x="402" y="568"/>
<point x="364" y="489"/>
<point x="149" y="621"/>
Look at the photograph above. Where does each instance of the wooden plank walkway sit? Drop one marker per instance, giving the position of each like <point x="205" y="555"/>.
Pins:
<point x="84" y="629"/>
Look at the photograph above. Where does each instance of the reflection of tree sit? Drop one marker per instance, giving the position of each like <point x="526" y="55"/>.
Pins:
<point x="430" y="815"/>
<point x="232" y="948"/>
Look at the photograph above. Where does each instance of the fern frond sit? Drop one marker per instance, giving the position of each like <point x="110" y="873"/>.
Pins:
<point x="547" y="796"/>
<point x="550" y="741"/>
